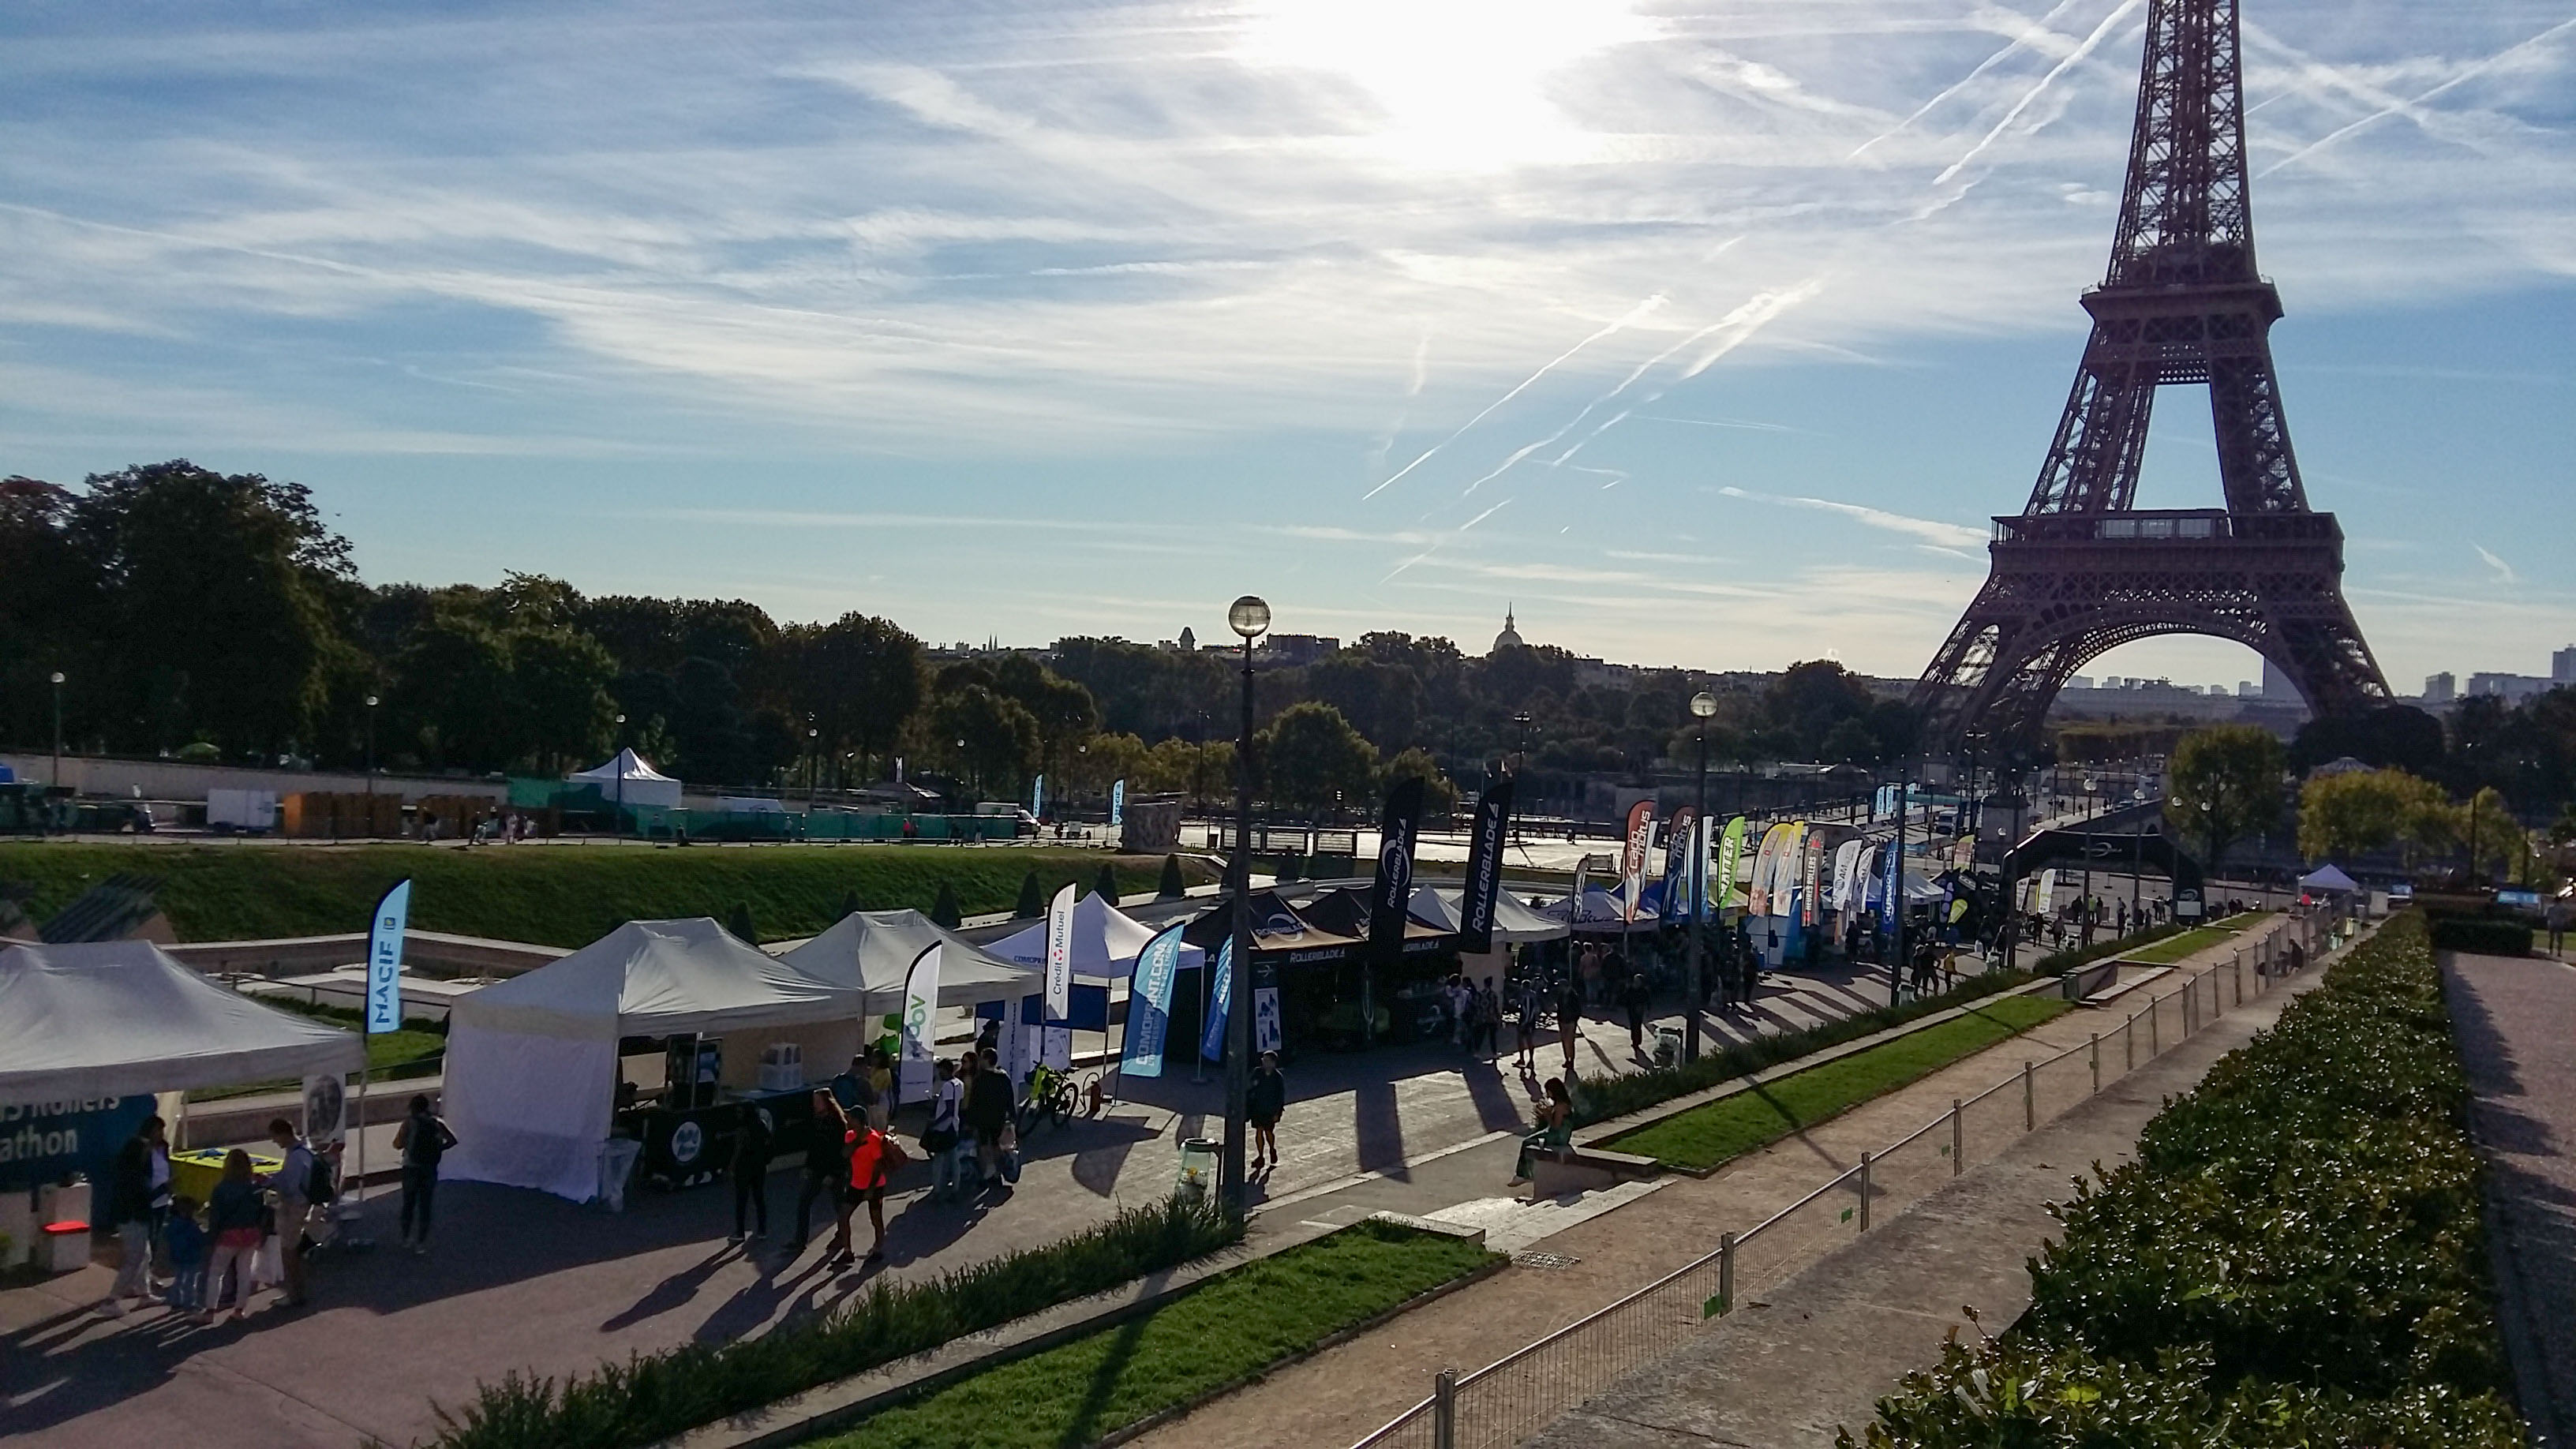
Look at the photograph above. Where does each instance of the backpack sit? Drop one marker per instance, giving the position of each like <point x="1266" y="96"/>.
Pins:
<point x="319" y="1189"/>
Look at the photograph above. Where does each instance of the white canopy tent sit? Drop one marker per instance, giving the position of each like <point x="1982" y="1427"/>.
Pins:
<point x="1515" y="924"/>
<point x="2327" y="878"/>
<point x="1106" y="941"/>
<point x="628" y="780"/>
<point x="871" y="951"/>
<point x="532" y="1062"/>
<point x="121" y="1018"/>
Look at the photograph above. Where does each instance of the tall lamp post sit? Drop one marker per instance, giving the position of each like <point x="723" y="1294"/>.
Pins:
<point x="371" y="764"/>
<point x="1703" y="705"/>
<point x="617" y="762"/>
<point x="1250" y="618"/>
<point x="57" y="781"/>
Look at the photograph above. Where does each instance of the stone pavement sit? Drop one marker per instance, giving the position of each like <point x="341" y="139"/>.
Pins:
<point x="522" y="1281"/>
<point x="1340" y="1396"/>
<point x="2515" y="1020"/>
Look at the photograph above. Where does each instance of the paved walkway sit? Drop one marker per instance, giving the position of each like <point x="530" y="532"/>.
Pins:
<point x="528" y="1282"/>
<point x="2515" y="1019"/>
<point x="1597" y="1257"/>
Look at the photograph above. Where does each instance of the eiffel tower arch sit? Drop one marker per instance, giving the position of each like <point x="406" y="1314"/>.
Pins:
<point x="2080" y="570"/>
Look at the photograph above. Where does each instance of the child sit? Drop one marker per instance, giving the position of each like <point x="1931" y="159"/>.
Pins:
<point x="187" y="1245"/>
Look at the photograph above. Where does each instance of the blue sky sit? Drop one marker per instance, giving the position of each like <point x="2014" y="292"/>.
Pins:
<point x="1705" y="334"/>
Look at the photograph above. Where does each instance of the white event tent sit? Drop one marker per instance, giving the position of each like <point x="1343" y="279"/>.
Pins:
<point x="1515" y="924"/>
<point x="121" y="1018"/>
<point x="871" y="951"/>
<point x="1106" y="942"/>
<point x="628" y="780"/>
<point x="532" y="1061"/>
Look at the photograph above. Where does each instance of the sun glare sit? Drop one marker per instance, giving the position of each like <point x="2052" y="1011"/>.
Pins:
<point x="1457" y="84"/>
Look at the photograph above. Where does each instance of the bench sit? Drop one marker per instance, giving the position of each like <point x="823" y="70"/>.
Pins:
<point x="1586" y="1169"/>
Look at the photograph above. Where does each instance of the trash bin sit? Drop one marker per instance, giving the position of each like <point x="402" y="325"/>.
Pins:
<point x="617" y="1157"/>
<point x="1668" y="1045"/>
<point x="66" y="1247"/>
<point x="1199" y="1161"/>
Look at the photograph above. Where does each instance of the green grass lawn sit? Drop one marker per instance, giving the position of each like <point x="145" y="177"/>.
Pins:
<point x="1236" y="1325"/>
<point x="1706" y="1136"/>
<point x="385" y="1050"/>
<point x="552" y="895"/>
<point x="2199" y="938"/>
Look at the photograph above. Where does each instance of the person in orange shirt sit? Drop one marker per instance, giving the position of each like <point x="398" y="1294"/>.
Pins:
<point x="873" y="1158"/>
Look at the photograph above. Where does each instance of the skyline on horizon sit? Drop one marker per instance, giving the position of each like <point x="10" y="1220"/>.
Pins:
<point x="1706" y="337"/>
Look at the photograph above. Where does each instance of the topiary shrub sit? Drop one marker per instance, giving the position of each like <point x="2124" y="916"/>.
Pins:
<point x="740" y="923"/>
<point x="1173" y="887"/>
<point x="1033" y="901"/>
<point x="1106" y="885"/>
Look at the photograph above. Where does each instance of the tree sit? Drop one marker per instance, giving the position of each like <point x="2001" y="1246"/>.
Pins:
<point x="1172" y="888"/>
<point x="223" y="579"/>
<point x="2354" y="812"/>
<point x="989" y="736"/>
<point x="860" y="677"/>
<point x="1439" y="792"/>
<point x="1311" y="756"/>
<point x="2391" y="737"/>
<point x="2224" y="783"/>
<point x="739" y="923"/>
<point x="1033" y="901"/>
<point x="561" y="679"/>
<point x="706" y="724"/>
<point x="943" y="910"/>
<point x="453" y="701"/>
<point x="849" y="905"/>
<point x="1106" y="885"/>
<point x="1382" y="701"/>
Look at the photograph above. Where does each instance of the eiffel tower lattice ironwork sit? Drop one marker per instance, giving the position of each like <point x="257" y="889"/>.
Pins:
<point x="2079" y="570"/>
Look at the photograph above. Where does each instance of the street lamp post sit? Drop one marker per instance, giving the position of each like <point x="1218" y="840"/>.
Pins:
<point x="617" y="762"/>
<point x="57" y="781"/>
<point x="371" y="764"/>
<point x="1250" y="618"/>
<point x="1702" y="706"/>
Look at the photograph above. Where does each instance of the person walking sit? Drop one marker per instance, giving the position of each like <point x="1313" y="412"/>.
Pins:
<point x="753" y="1141"/>
<point x="880" y="1088"/>
<point x="233" y="1211"/>
<point x="1569" y="1021"/>
<point x="2556" y="918"/>
<point x="940" y="1139"/>
<point x="1635" y="996"/>
<point x="873" y="1158"/>
<point x="988" y="1110"/>
<point x="1264" y="1099"/>
<point x="294" y="1186"/>
<point x="1589" y="964"/>
<point x="422" y="1139"/>
<point x="1533" y="1001"/>
<point x="135" y="1202"/>
<point x="827" y="1167"/>
<point x="855" y="1088"/>
<point x="1489" y="1019"/>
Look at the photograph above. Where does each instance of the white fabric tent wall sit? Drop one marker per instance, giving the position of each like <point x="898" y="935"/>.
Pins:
<point x="871" y="951"/>
<point x="532" y="1061"/>
<point x="121" y="1018"/>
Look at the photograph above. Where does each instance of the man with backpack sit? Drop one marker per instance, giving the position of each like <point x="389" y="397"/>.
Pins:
<point x="303" y="1179"/>
<point x="422" y="1139"/>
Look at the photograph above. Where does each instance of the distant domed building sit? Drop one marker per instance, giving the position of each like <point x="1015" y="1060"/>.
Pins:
<point x="1510" y="638"/>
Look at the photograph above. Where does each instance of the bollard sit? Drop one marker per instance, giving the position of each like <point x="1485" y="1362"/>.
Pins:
<point x="1958" y="1140"/>
<point x="1444" y="1409"/>
<point x="2155" y="1031"/>
<point x="2097" y="1061"/>
<point x="1864" y="1192"/>
<point x="2240" y="978"/>
<point x="2129" y="1044"/>
<point x="1726" y="1272"/>
<point x="2029" y="1101"/>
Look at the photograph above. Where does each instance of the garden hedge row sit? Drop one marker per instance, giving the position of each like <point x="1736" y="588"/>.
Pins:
<point x="2295" y="1257"/>
<point x="2484" y="936"/>
<point x="652" y="1397"/>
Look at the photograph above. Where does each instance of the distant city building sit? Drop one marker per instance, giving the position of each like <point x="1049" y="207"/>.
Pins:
<point x="2441" y="688"/>
<point x="2248" y="689"/>
<point x="2078" y="682"/>
<point x="2562" y="666"/>
<point x="2511" y="688"/>
<point x="1189" y="640"/>
<point x="1510" y="638"/>
<point x="2277" y="685"/>
<point x="1291" y="650"/>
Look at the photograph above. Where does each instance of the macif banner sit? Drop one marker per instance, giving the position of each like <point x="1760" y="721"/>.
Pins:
<point x="1117" y="803"/>
<point x="1059" y="979"/>
<point x="1149" y="1003"/>
<point x="920" y="1004"/>
<point x="384" y="959"/>
<point x="1212" y="1041"/>
<point x="1677" y="873"/>
<point x="1037" y="797"/>
<point x="1492" y="829"/>
<point x="1632" y="861"/>
<point x="1392" y="891"/>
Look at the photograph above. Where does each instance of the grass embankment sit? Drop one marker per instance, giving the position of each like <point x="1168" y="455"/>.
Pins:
<point x="652" y="1397"/>
<point x="551" y="895"/>
<point x="1705" y="1136"/>
<point x="2295" y="1257"/>
<point x="1236" y="1325"/>
<point x="2198" y="938"/>
<point x="418" y="1045"/>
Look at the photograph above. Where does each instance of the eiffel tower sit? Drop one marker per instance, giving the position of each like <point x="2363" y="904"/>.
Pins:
<point x="2079" y="570"/>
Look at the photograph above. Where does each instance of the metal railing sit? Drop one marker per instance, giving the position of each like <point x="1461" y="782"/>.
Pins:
<point x="1521" y="1393"/>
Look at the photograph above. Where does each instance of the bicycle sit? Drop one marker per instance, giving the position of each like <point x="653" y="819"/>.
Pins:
<point x="1051" y="1095"/>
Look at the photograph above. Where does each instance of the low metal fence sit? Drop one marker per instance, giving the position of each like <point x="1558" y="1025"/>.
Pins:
<point x="1521" y="1393"/>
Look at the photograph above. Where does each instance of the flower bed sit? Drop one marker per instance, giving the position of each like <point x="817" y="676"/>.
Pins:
<point x="2296" y="1256"/>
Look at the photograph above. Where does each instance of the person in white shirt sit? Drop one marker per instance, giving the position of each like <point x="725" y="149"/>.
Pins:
<point x="293" y="1185"/>
<point x="939" y="1140"/>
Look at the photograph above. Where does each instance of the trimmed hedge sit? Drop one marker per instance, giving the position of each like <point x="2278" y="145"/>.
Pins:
<point x="1598" y="1099"/>
<point x="2296" y="1256"/>
<point x="651" y="1397"/>
<point x="2483" y="936"/>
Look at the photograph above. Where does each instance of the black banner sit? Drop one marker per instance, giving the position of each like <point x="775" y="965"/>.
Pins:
<point x="1392" y="891"/>
<point x="1485" y="867"/>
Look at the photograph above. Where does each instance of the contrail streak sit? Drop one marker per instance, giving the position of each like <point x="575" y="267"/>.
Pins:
<point x="2091" y="43"/>
<point x="2017" y="43"/>
<point x="2385" y="112"/>
<point x="1640" y="310"/>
